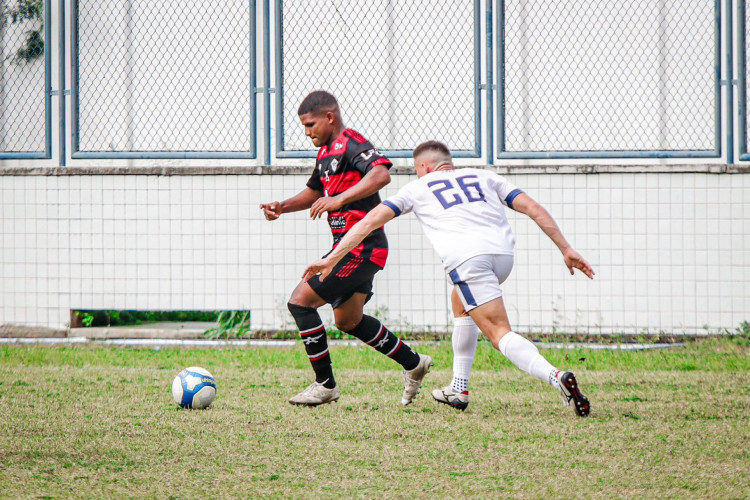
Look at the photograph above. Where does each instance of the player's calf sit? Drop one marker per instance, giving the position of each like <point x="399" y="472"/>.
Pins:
<point x="373" y="333"/>
<point x="313" y="335"/>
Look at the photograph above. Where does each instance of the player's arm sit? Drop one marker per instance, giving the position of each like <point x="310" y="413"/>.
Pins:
<point x="373" y="181"/>
<point x="301" y="201"/>
<point x="526" y="205"/>
<point x="374" y="219"/>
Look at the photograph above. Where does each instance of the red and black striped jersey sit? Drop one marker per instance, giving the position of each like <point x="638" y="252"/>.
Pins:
<point x="337" y="169"/>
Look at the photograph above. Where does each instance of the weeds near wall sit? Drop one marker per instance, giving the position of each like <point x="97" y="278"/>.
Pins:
<point x="232" y="324"/>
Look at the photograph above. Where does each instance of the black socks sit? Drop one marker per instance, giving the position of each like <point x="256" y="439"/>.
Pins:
<point x="373" y="333"/>
<point x="313" y="334"/>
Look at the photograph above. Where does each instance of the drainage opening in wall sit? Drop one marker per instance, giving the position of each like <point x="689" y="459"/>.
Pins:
<point x="218" y="324"/>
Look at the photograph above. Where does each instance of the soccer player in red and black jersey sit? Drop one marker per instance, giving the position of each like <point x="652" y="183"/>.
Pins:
<point x="348" y="174"/>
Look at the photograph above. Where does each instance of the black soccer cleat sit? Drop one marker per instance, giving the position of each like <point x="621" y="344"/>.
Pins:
<point x="571" y="393"/>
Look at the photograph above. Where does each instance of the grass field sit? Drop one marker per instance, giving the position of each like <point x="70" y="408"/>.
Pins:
<point x="100" y="422"/>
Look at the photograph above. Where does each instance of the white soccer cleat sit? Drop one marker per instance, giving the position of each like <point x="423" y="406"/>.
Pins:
<point x="413" y="379"/>
<point x="446" y="395"/>
<point x="316" y="394"/>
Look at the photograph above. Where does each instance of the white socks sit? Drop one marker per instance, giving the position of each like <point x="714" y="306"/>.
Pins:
<point x="465" y="335"/>
<point x="525" y="356"/>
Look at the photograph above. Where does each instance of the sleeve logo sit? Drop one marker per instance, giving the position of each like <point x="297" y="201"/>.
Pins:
<point x="369" y="154"/>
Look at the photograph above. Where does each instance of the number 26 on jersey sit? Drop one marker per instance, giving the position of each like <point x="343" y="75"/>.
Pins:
<point x="449" y="195"/>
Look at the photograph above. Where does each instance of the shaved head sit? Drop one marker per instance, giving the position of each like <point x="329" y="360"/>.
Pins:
<point x="433" y="152"/>
<point x="430" y="156"/>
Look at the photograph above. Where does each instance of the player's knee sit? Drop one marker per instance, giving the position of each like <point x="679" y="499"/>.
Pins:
<point x="298" y="310"/>
<point x="347" y="324"/>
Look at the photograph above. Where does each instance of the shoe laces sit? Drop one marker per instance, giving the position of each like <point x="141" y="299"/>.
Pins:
<point x="408" y="379"/>
<point x="312" y="388"/>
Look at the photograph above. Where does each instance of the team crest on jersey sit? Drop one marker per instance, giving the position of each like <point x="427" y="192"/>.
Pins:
<point x="334" y="165"/>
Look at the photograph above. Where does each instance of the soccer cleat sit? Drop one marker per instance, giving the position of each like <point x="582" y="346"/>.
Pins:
<point x="316" y="394"/>
<point x="446" y="395"/>
<point x="571" y="393"/>
<point x="413" y="379"/>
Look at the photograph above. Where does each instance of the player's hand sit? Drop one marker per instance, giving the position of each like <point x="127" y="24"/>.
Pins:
<point x="323" y="266"/>
<point x="574" y="260"/>
<point x="272" y="211"/>
<point x="323" y="205"/>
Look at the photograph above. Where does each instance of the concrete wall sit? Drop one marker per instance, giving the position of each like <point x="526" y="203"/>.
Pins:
<point x="670" y="251"/>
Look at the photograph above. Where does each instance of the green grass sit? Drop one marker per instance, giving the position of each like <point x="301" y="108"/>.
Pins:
<point x="100" y="422"/>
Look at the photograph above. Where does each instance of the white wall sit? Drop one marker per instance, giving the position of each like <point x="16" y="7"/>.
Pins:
<point x="670" y="251"/>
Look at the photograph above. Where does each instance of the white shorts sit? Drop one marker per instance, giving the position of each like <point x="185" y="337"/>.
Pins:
<point x="478" y="279"/>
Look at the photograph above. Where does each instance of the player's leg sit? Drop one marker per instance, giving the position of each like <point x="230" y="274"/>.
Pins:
<point x="351" y="319"/>
<point x="464" y="341"/>
<point x="483" y="300"/>
<point x="303" y="305"/>
<point x="492" y="319"/>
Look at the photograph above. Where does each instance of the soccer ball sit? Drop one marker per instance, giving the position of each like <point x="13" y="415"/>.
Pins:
<point x="194" y="387"/>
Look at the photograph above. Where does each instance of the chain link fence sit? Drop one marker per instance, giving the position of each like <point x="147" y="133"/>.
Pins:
<point x="620" y="76"/>
<point x="404" y="72"/>
<point x="24" y="76"/>
<point x="168" y="76"/>
<point x="178" y="78"/>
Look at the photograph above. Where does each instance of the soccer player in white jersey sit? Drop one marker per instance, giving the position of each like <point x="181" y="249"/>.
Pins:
<point x="462" y="214"/>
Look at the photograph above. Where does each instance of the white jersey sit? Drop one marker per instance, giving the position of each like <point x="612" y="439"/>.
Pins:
<point x="461" y="212"/>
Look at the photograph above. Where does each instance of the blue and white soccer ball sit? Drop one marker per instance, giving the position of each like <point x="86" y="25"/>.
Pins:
<point x="194" y="388"/>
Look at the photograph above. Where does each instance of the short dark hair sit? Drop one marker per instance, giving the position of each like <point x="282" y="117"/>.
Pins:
<point x="317" y="101"/>
<point x="432" y="146"/>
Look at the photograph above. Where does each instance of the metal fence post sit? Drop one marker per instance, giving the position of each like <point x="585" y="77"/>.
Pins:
<point x="61" y="84"/>
<point x="48" y="81"/>
<point x="729" y="26"/>
<point x="267" y="82"/>
<point x="742" y="79"/>
<point x="500" y="76"/>
<point x="490" y="85"/>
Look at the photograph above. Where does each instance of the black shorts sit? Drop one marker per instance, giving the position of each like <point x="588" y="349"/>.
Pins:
<point x="351" y="275"/>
